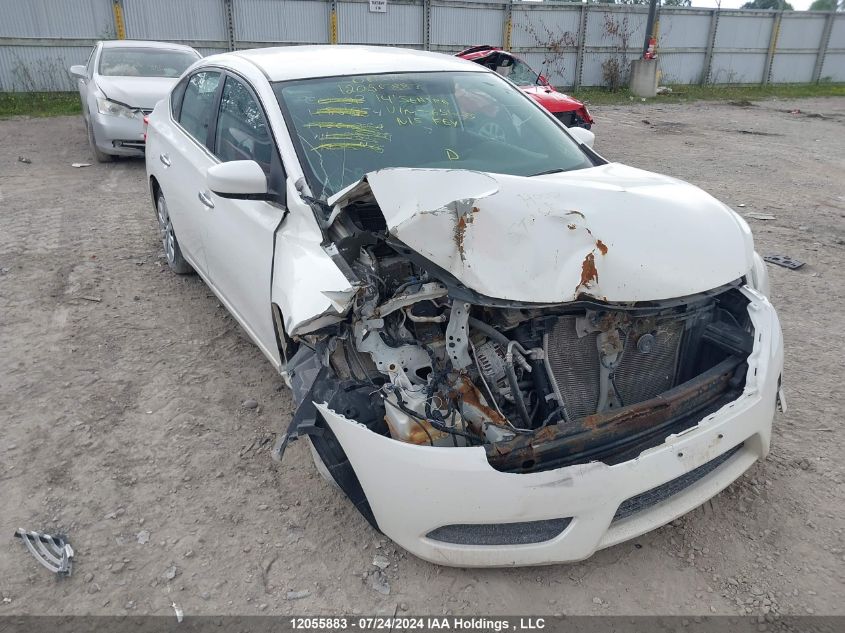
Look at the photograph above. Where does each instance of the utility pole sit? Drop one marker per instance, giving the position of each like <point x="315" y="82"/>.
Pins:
<point x="649" y="25"/>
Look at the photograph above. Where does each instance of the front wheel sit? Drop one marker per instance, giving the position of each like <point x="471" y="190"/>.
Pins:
<point x="172" y="251"/>
<point x="101" y="157"/>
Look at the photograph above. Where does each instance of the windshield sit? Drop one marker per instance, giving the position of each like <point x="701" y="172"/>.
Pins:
<point x="144" y="62"/>
<point x="345" y="127"/>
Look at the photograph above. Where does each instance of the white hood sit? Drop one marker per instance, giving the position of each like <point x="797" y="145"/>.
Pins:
<point x="136" y="92"/>
<point x="612" y="232"/>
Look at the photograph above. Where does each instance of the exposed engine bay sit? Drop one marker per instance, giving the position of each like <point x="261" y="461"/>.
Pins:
<point x="421" y="358"/>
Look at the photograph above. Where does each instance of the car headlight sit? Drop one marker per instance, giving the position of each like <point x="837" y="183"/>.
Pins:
<point x="104" y="106"/>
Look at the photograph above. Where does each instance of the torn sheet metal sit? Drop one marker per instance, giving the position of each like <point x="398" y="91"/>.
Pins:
<point x="612" y="232"/>
<point x="308" y="286"/>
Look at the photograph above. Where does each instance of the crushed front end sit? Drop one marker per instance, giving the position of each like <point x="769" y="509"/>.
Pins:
<point x="478" y="431"/>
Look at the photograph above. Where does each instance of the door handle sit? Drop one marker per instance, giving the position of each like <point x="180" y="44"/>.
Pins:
<point x="165" y="159"/>
<point x="206" y="199"/>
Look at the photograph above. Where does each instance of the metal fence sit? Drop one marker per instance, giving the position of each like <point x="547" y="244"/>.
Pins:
<point x="575" y="44"/>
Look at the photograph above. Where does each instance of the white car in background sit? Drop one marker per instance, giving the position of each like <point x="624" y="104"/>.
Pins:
<point x="503" y="348"/>
<point x="121" y="83"/>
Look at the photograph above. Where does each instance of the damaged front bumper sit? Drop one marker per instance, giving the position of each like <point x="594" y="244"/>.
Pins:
<point x="450" y="506"/>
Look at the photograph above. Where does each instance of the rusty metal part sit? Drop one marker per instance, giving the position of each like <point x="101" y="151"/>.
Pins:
<point x="473" y="409"/>
<point x="589" y="274"/>
<point x="603" y="435"/>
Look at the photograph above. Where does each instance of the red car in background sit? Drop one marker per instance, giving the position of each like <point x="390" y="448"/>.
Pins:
<point x="569" y="111"/>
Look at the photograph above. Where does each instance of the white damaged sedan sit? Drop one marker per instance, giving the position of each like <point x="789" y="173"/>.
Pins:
<point x="504" y="349"/>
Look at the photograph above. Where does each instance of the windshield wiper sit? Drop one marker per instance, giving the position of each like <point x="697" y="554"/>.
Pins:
<point x="548" y="171"/>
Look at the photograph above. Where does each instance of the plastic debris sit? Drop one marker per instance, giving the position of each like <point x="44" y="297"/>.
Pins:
<point x="761" y="216"/>
<point x="784" y="260"/>
<point x="80" y="164"/>
<point x="53" y="552"/>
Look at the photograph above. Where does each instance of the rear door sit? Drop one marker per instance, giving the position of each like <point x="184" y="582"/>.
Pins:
<point x="185" y="156"/>
<point x="240" y="234"/>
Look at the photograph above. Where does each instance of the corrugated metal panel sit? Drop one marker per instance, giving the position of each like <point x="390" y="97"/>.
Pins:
<point x="537" y="27"/>
<point x="607" y="27"/>
<point x="39" y="68"/>
<point x="48" y="18"/>
<point x="834" y="67"/>
<point x="837" y="33"/>
<point x="283" y="21"/>
<point x="560" y="71"/>
<point x="793" y="68"/>
<point x="737" y="68"/>
<point x="460" y="26"/>
<point x="593" y="73"/>
<point x="744" y="31"/>
<point x="201" y="20"/>
<point x="680" y="68"/>
<point x="402" y="25"/>
<point x="799" y="31"/>
<point x="683" y="29"/>
<point x="206" y="51"/>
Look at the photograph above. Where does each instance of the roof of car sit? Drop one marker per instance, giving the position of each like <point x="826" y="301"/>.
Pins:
<point x="301" y="62"/>
<point x="145" y="44"/>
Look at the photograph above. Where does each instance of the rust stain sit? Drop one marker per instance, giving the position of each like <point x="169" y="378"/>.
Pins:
<point x="461" y="229"/>
<point x="565" y="444"/>
<point x="471" y="398"/>
<point x="589" y="274"/>
<point x="601" y="246"/>
<point x="421" y="433"/>
<point x="571" y="227"/>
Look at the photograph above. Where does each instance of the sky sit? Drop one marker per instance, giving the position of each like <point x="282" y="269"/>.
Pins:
<point x="798" y="5"/>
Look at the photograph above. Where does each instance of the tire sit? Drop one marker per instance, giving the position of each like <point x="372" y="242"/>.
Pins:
<point x="172" y="251"/>
<point x="100" y="157"/>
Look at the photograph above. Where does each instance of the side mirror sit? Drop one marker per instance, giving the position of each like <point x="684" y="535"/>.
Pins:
<point x="79" y="71"/>
<point x="240" y="179"/>
<point x="585" y="137"/>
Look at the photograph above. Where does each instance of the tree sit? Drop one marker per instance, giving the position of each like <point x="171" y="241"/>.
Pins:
<point x="823" y="5"/>
<point x="777" y="5"/>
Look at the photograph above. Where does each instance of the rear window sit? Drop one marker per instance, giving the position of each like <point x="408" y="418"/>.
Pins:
<point x="144" y="62"/>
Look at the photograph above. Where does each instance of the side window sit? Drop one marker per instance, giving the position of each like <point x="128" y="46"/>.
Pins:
<point x="197" y="111"/>
<point x="176" y="97"/>
<point x="242" y="132"/>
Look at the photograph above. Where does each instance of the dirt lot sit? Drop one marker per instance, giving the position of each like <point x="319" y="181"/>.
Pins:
<point x="122" y="420"/>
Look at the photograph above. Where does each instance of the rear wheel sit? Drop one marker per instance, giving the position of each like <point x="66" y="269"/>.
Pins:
<point x="172" y="251"/>
<point x="101" y="157"/>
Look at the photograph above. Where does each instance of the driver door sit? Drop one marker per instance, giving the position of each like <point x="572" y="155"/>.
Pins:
<point x="239" y="234"/>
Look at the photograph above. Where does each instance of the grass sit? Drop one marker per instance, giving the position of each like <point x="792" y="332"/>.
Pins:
<point x="41" y="104"/>
<point x="682" y="93"/>
<point x="38" y="104"/>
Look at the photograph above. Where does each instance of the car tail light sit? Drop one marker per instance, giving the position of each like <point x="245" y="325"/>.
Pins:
<point x="146" y="123"/>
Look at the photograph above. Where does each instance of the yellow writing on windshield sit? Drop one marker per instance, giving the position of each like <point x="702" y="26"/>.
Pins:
<point x="342" y="111"/>
<point x="351" y="145"/>
<point x="341" y="100"/>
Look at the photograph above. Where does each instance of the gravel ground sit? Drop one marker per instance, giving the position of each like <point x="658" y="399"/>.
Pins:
<point x="123" y="418"/>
